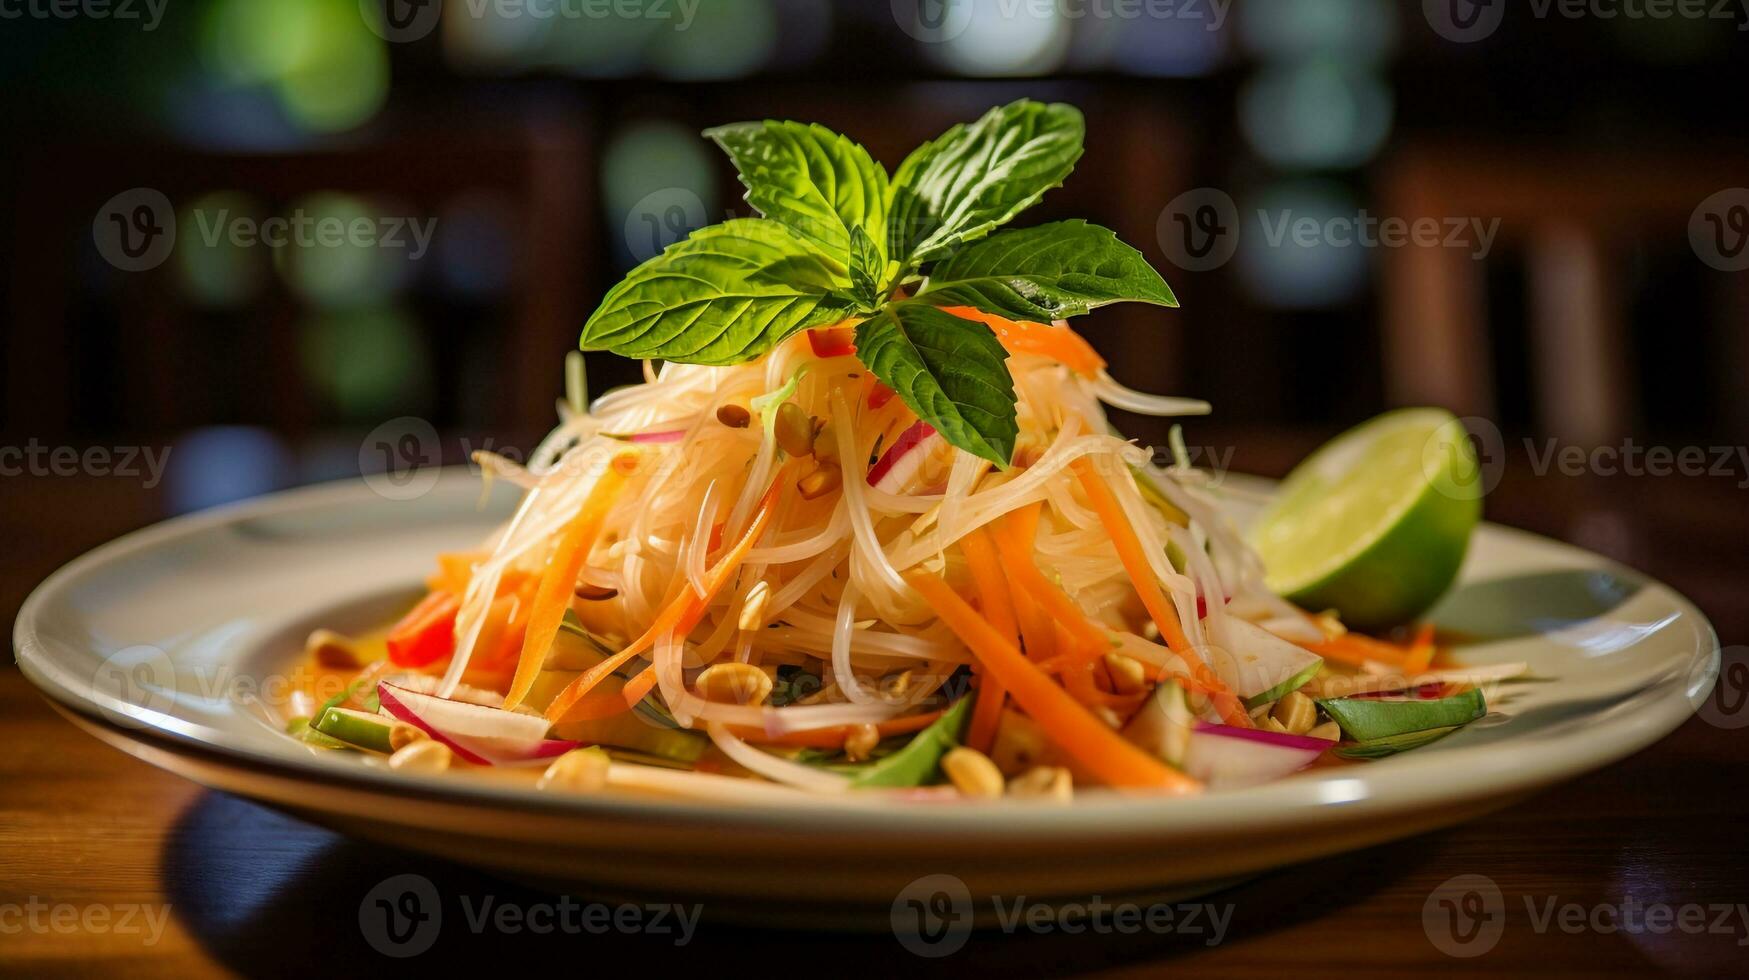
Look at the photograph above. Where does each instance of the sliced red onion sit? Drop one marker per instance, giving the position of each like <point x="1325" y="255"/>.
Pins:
<point x="671" y="435"/>
<point x="1283" y="739"/>
<point x="1423" y="692"/>
<point x="1202" y="606"/>
<point x="475" y="733"/>
<point x="1227" y="757"/>
<point x="903" y="458"/>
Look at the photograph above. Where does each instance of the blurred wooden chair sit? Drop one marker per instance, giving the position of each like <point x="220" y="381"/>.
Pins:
<point x="1571" y="215"/>
<point x="541" y="164"/>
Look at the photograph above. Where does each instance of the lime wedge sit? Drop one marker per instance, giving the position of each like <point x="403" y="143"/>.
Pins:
<point x="1375" y="523"/>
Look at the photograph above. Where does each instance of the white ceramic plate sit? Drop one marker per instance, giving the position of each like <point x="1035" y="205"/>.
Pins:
<point x="159" y="643"/>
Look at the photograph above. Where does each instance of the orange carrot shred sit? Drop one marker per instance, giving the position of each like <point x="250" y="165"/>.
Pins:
<point x="559" y="582"/>
<point x="998" y="608"/>
<point x="1135" y="562"/>
<point x="1060" y="344"/>
<point x="681" y="615"/>
<point x="1089" y="741"/>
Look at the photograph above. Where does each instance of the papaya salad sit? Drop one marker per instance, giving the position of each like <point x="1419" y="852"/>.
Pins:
<point x="865" y="529"/>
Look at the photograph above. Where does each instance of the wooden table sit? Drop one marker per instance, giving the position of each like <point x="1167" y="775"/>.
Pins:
<point x="242" y="889"/>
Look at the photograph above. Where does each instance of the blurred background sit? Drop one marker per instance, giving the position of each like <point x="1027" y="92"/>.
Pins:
<point x="250" y="244"/>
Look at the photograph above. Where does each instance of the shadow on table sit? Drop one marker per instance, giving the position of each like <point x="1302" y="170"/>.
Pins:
<point x="268" y="895"/>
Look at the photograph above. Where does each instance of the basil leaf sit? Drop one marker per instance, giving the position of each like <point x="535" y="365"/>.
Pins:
<point x="1046" y="273"/>
<point x="817" y="182"/>
<point x="973" y="178"/>
<point x="950" y="371"/>
<point x="866" y="268"/>
<point x="726" y="295"/>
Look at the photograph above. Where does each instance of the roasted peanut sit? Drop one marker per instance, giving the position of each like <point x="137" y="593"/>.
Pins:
<point x="734" y="416"/>
<point x="1043" y="782"/>
<point x="1296" y="712"/>
<point x="794" y="430"/>
<point x="577" y="771"/>
<point x="972" y="773"/>
<point x="861" y="741"/>
<point x="823" y="480"/>
<point x="421" y="756"/>
<point x="734" y="683"/>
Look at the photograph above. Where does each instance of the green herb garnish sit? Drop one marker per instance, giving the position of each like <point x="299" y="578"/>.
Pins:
<point x="840" y="239"/>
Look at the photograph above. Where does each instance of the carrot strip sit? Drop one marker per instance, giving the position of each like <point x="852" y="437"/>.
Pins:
<point x="680" y="616"/>
<point x="1358" y="651"/>
<point x="454" y="570"/>
<point x="999" y="610"/>
<point x="1060" y="344"/>
<point x="427" y="633"/>
<point x="1096" y="747"/>
<point x="1015" y="536"/>
<point x="1420" y="656"/>
<point x="1038" y="636"/>
<point x="606" y="704"/>
<point x="559" y="583"/>
<point x="1135" y="562"/>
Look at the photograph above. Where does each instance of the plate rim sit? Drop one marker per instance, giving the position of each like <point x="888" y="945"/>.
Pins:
<point x="1656" y="712"/>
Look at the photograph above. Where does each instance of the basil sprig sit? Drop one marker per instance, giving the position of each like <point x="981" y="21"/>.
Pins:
<point x="838" y="238"/>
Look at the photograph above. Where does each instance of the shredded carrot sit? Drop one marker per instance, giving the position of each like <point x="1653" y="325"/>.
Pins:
<point x="1078" y="681"/>
<point x="1420" y="655"/>
<point x="1015" y="536"/>
<point x="1358" y="651"/>
<point x="1060" y="344"/>
<point x="559" y="582"/>
<point x="1038" y="636"/>
<point x="1093" y="744"/>
<point x="606" y="704"/>
<point x="998" y="608"/>
<point x="1135" y="562"/>
<point x="501" y="637"/>
<point x="681" y="615"/>
<point x="454" y="570"/>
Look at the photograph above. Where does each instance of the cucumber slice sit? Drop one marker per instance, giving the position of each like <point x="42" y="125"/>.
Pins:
<point x="1162" y="728"/>
<point x="919" y="761"/>
<point x="1286" y="687"/>
<point x="299" y="728"/>
<point x="632" y="731"/>
<point x="1379" y="748"/>
<point x="575" y="647"/>
<point x="359" y="728"/>
<point x="1371" y="719"/>
<point x="1265" y="666"/>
